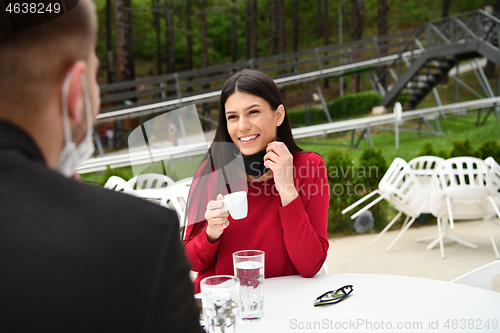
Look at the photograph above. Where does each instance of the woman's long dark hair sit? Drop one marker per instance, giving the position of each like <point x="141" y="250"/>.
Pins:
<point x="249" y="81"/>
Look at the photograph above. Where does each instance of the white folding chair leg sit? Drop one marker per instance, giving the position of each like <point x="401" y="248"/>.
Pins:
<point x="387" y="227"/>
<point x="440" y="235"/>
<point x="450" y="215"/>
<point x="492" y="239"/>
<point x="495" y="207"/>
<point x="371" y="204"/>
<point x="360" y="201"/>
<point x="400" y="234"/>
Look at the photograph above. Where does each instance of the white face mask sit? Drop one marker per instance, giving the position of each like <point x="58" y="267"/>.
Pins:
<point x="72" y="155"/>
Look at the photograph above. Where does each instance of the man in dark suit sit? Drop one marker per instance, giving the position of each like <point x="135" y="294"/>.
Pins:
<point x="74" y="258"/>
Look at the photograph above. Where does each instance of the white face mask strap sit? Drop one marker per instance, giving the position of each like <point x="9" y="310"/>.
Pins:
<point x="86" y="101"/>
<point x="64" y="98"/>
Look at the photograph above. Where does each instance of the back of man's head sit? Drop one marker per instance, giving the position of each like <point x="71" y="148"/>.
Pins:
<point x="34" y="61"/>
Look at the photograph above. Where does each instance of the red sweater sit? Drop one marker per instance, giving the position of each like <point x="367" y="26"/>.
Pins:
<point x="293" y="238"/>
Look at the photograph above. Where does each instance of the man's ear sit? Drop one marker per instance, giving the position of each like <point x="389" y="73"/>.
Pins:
<point x="75" y="92"/>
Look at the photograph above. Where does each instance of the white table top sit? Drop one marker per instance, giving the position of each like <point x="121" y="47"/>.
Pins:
<point x="382" y="301"/>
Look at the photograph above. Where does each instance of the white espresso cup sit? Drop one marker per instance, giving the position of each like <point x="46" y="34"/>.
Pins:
<point x="236" y="204"/>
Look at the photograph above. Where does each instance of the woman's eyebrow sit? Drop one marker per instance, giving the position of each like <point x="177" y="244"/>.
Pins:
<point x="248" y="108"/>
<point x="252" y="106"/>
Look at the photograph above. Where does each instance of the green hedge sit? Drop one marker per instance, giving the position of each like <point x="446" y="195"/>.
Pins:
<point x="464" y="148"/>
<point x="349" y="183"/>
<point x="343" y="107"/>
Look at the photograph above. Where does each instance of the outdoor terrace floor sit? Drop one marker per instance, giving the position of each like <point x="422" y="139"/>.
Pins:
<point x="357" y="254"/>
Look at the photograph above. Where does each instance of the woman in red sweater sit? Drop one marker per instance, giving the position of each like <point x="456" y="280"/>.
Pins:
<point x="287" y="188"/>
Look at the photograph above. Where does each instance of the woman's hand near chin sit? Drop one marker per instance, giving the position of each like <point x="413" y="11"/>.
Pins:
<point x="217" y="219"/>
<point x="279" y="159"/>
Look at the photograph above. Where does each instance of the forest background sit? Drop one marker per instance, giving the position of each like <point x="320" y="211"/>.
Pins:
<point x="140" y="38"/>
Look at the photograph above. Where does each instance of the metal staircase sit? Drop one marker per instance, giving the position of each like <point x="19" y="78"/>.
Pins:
<point x="442" y="44"/>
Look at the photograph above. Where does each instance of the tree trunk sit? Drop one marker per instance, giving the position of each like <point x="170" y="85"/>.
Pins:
<point x="253" y="43"/>
<point x="383" y="30"/>
<point x="204" y="56"/>
<point x="445" y="12"/>
<point x="189" y="40"/>
<point x="125" y="58"/>
<point x="446" y="8"/>
<point x="170" y="42"/>
<point x="295" y="26"/>
<point x="319" y="16"/>
<point x="109" y="47"/>
<point x="156" y="25"/>
<point x="189" y="37"/>
<point x="280" y="22"/>
<point x="326" y="33"/>
<point x="248" y="33"/>
<point x="204" y="35"/>
<point x="489" y="71"/>
<point x="281" y="26"/>
<point x="234" y="35"/>
<point x="271" y="26"/>
<point x="358" y="10"/>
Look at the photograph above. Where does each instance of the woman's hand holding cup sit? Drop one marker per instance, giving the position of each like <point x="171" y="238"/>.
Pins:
<point x="217" y="219"/>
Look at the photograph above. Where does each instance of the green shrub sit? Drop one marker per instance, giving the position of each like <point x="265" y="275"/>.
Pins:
<point x="489" y="148"/>
<point x="371" y="169"/>
<point x="462" y="148"/>
<point x="349" y="183"/>
<point x="340" y="176"/>
<point x="124" y="173"/>
<point x="443" y="153"/>
<point x="427" y="150"/>
<point x="354" y="104"/>
<point x="342" y="107"/>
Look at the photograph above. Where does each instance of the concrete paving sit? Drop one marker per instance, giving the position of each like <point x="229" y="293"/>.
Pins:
<point x="358" y="253"/>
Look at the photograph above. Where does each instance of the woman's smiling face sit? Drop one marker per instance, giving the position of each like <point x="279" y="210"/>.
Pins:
<point x="251" y="123"/>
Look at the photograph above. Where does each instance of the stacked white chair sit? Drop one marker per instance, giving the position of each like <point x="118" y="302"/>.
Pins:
<point x="176" y="197"/>
<point x="401" y="188"/>
<point x="460" y="190"/>
<point x="494" y="183"/>
<point x="118" y="184"/>
<point x="150" y="181"/>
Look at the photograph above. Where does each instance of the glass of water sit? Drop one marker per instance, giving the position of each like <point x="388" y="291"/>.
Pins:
<point x="249" y="268"/>
<point x="221" y="303"/>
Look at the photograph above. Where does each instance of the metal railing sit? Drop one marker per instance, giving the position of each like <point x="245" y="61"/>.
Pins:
<point x="463" y="36"/>
<point x="124" y="159"/>
<point x="201" y="85"/>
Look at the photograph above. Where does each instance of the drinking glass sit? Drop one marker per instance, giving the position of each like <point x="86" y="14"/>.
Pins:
<point x="249" y="268"/>
<point x="221" y="303"/>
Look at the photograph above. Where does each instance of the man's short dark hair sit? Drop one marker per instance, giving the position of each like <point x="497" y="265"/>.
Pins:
<point x="33" y="61"/>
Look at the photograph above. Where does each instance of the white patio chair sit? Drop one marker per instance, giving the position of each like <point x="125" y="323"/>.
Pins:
<point x="401" y="188"/>
<point x="176" y="198"/>
<point x="323" y="270"/>
<point x="460" y="191"/>
<point x="481" y="277"/>
<point x="425" y="167"/>
<point x="118" y="184"/>
<point x="150" y="181"/>
<point x="494" y="183"/>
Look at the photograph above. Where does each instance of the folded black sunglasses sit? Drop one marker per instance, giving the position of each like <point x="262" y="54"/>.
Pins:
<point x="334" y="296"/>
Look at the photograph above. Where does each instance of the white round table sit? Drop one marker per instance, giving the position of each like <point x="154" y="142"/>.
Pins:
<point x="378" y="303"/>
